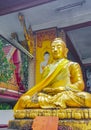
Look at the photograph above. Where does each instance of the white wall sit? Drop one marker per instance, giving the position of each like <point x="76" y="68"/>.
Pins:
<point x="5" y="116"/>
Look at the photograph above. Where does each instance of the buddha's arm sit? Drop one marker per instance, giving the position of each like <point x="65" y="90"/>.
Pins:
<point x="53" y="90"/>
<point x="76" y="77"/>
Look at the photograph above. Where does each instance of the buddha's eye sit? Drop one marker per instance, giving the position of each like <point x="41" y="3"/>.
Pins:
<point x="53" y="47"/>
<point x="59" y="46"/>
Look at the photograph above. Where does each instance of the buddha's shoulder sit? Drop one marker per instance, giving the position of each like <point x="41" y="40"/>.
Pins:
<point x="73" y="64"/>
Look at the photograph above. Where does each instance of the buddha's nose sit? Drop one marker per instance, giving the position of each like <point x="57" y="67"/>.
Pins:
<point x="55" y="48"/>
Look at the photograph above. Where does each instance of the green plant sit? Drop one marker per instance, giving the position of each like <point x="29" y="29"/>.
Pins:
<point x="5" y="106"/>
<point x="6" y="68"/>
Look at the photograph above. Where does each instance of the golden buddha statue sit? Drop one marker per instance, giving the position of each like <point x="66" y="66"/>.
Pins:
<point x="61" y="86"/>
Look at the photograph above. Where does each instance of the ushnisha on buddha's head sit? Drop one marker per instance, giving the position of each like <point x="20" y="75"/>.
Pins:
<point x="59" y="49"/>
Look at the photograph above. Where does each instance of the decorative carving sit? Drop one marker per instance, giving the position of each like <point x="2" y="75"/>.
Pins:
<point x="70" y="113"/>
<point x="27" y="33"/>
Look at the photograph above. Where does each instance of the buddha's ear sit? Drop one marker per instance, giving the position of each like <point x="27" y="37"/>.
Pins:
<point x="66" y="51"/>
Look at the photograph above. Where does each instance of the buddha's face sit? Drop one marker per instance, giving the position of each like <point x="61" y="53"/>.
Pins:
<point x="58" y="49"/>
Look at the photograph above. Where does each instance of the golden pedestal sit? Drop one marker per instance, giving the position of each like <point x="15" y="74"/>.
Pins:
<point x="69" y="119"/>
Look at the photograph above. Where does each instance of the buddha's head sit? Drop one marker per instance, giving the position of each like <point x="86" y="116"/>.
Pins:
<point x="59" y="49"/>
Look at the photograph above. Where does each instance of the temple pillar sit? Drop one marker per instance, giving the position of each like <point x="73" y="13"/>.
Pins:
<point x="31" y="73"/>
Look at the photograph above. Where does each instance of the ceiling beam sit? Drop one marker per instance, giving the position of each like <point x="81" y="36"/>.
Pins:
<point x="10" y="6"/>
<point x="77" y="26"/>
